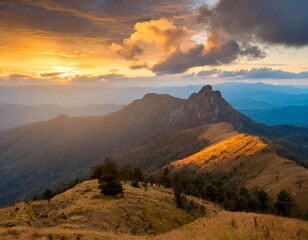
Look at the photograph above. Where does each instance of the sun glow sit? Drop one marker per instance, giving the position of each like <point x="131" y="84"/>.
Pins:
<point x="64" y="73"/>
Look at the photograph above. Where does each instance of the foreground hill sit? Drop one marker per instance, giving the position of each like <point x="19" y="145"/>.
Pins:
<point x="82" y="213"/>
<point x="245" y="160"/>
<point x="32" y="156"/>
<point x="13" y="115"/>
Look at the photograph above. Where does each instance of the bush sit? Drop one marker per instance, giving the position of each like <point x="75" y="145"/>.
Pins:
<point x="135" y="184"/>
<point x="138" y="175"/>
<point x="47" y="195"/>
<point x="151" y="180"/>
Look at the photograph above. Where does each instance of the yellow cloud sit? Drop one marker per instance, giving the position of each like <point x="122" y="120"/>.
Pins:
<point x="161" y="32"/>
<point x="155" y="36"/>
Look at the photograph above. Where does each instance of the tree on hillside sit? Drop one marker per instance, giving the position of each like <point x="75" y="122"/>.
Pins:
<point x="47" y="195"/>
<point x="109" y="178"/>
<point x="108" y="166"/>
<point x="244" y="201"/>
<point x="137" y="177"/>
<point x="182" y="184"/>
<point x="215" y="191"/>
<point x="110" y="185"/>
<point x="284" y="204"/>
<point x="264" y="201"/>
<point x="126" y="173"/>
<point x="165" y="179"/>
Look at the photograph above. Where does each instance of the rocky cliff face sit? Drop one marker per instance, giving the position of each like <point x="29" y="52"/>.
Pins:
<point x="206" y="107"/>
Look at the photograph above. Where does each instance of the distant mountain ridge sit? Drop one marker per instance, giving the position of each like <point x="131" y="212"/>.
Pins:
<point x="82" y="95"/>
<point x="32" y="157"/>
<point x="13" y="115"/>
<point x="293" y="115"/>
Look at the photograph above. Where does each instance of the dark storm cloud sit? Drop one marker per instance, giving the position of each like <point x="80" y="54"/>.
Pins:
<point x="130" y="53"/>
<point x="180" y="62"/>
<point x="112" y="20"/>
<point x="273" y="21"/>
<point x="27" y="17"/>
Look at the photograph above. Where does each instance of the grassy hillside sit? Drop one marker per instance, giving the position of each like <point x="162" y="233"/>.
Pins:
<point x="32" y="156"/>
<point x="138" y="212"/>
<point x="162" y="149"/>
<point x="245" y="160"/>
<point x="82" y="213"/>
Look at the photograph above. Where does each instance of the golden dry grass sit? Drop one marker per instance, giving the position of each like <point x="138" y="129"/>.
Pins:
<point x="232" y="148"/>
<point x="138" y="212"/>
<point x="246" y="161"/>
<point x="82" y="213"/>
<point x="227" y="225"/>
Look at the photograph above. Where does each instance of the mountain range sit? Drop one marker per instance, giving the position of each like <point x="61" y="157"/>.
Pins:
<point x="293" y="115"/>
<point x="264" y="103"/>
<point x="258" y="94"/>
<point x="46" y="154"/>
<point x="13" y="115"/>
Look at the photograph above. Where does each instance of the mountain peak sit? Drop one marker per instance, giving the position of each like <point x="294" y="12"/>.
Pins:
<point x="206" y="92"/>
<point x="206" y="89"/>
<point x="206" y="107"/>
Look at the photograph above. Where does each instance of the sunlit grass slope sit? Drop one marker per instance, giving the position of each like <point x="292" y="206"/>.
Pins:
<point x="237" y="146"/>
<point x="245" y="160"/>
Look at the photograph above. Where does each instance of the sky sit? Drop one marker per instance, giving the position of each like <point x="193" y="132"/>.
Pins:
<point x="153" y="42"/>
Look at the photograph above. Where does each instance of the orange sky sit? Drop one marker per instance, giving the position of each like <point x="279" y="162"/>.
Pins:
<point x="57" y="42"/>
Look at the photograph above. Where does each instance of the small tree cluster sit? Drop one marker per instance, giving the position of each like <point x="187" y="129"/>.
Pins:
<point x="48" y="194"/>
<point x="110" y="176"/>
<point x="230" y="199"/>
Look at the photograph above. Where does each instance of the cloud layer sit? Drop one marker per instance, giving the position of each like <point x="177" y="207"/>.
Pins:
<point x="213" y="53"/>
<point x="276" y="21"/>
<point x="96" y="41"/>
<point x="261" y="73"/>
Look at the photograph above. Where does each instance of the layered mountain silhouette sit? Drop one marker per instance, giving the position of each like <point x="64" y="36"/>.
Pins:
<point x="46" y="154"/>
<point x="294" y="115"/>
<point x="13" y="115"/>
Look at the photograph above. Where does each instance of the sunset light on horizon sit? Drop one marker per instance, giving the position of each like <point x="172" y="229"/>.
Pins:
<point x="123" y="42"/>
